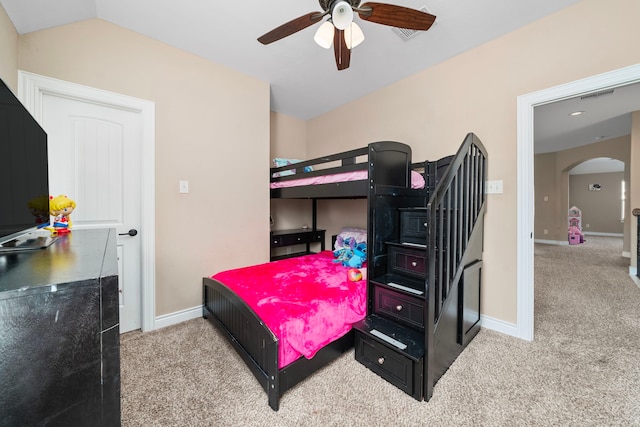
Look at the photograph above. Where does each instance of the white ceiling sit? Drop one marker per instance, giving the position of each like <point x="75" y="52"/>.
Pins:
<point x="303" y="77"/>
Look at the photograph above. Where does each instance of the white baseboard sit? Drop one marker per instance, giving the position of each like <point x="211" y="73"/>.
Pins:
<point x="595" y="233"/>
<point x="552" y="242"/>
<point x="178" y="317"/>
<point x="488" y="322"/>
<point x="501" y="326"/>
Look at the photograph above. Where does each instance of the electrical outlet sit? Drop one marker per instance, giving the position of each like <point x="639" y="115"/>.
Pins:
<point x="494" y="187"/>
<point x="546" y="231"/>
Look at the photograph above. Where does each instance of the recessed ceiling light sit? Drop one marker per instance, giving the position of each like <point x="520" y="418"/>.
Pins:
<point x="576" y="113"/>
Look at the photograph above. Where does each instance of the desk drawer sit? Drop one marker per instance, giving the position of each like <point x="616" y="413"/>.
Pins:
<point x="407" y="261"/>
<point x="394" y="367"/>
<point x="399" y="307"/>
<point x="296" y="239"/>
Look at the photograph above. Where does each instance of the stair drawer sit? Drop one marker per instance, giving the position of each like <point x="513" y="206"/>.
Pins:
<point x="399" y="307"/>
<point x="407" y="261"/>
<point x="394" y="367"/>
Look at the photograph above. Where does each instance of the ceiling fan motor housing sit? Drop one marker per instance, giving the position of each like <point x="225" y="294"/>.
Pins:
<point x="328" y="4"/>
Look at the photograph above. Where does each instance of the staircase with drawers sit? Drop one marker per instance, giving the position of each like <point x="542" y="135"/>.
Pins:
<point x="424" y="273"/>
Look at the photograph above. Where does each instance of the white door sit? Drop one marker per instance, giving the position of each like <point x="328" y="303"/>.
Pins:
<point x="95" y="159"/>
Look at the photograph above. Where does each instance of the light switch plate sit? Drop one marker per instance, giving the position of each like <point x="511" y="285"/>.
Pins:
<point x="494" y="187"/>
<point x="184" y="187"/>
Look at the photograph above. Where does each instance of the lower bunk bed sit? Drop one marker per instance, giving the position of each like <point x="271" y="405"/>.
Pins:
<point x="286" y="318"/>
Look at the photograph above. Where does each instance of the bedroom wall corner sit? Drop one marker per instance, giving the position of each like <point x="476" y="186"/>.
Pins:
<point x="288" y="139"/>
<point x="8" y="51"/>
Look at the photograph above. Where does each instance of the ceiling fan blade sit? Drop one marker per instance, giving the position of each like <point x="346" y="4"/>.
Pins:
<point x="291" y="27"/>
<point x="341" y="51"/>
<point x="395" y="16"/>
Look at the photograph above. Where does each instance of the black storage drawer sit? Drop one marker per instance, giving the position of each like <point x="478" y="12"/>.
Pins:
<point x="404" y="260"/>
<point x="399" y="307"/>
<point x="413" y="225"/>
<point x="294" y="239"/>
<point x="394" y="367"/>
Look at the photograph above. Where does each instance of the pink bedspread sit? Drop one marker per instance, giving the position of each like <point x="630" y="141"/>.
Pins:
<point x="307" y="301"/>
<point x="417" y="180"/>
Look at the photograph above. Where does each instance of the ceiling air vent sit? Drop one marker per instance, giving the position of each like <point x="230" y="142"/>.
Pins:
<point x="597" y="94"/>
<point x="405" y="34"/>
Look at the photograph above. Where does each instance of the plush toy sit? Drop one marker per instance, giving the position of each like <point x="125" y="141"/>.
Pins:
<point x="350" y="253"/>
<point x="359" y="256"/>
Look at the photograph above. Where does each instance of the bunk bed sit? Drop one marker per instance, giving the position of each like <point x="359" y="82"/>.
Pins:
<point x="382" y="169"/>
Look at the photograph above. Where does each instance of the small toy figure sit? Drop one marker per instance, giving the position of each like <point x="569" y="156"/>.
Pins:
<point x="61" y="207"/>
<point x="575" y="236"/>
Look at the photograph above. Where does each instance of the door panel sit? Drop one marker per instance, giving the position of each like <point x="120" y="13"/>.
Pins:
<point x="95" y="158"/>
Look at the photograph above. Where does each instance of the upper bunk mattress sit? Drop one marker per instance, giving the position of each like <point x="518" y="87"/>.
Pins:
<point x="307" y="301"/>
<point x="417" y="180"/>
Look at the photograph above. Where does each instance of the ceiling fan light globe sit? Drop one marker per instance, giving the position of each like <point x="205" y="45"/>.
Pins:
<point x="342" y="15"/>
<point x="353" y="35"/>
<point x="324" y="35"/>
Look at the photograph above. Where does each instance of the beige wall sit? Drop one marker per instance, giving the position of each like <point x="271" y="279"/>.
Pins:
<point x="202" y="111"/>
<point x="601" y="210"/>
<point x="552" y="181"/>
<point x="8" y="52"/>
<point x="477" y="91"/>
<point x="289" y="140"/>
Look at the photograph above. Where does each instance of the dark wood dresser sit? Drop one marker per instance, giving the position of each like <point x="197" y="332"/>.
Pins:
<point x="59" y="333"/>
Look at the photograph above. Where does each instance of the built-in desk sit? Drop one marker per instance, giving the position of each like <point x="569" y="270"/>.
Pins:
<point x="59" y="333"/>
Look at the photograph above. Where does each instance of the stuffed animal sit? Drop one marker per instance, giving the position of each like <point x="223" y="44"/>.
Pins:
<point x="350" y="253"/>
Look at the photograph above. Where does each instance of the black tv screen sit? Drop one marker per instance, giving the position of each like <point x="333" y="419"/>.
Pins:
<point x="24" y="173"/>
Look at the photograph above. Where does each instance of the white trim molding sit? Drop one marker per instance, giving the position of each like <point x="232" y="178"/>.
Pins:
<point x="552" y="242"/>
<point x="32" y="88"/>
<point x="498" y="325"/>
<point x="178" y="317"/>
<point x="525" y="178"/>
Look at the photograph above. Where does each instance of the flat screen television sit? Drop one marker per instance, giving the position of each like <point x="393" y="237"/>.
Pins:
<point x="24" y="177"/>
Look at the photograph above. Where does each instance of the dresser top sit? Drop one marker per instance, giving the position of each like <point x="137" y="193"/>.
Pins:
<point x="80" y="256"/>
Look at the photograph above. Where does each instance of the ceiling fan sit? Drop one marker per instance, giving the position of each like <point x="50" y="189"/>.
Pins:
<point x="342" y="32"/>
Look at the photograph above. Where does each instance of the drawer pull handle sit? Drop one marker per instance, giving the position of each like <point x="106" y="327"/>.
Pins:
<point x="298" y="238"/>
<point x="399" y="307"/>
<point x="425" y="225"/>
<point x="275" y="242"/>
<point x="413" y="263"/>
<point x="380" y="360"/>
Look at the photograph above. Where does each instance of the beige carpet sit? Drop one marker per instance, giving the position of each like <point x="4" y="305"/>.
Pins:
<point x="582" y="369"/>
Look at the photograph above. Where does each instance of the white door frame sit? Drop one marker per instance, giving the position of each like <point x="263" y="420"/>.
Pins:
<point x="525" y="186"/>
<point x="32" y="87"/>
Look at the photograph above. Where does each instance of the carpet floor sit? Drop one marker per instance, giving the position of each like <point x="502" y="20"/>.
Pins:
<point x="582" y="368"/>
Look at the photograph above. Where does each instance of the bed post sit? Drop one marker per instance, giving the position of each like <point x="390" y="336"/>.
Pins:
<point x="314" y="214"/>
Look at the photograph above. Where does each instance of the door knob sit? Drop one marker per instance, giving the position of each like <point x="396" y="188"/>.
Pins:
<point x="131" y="233"/>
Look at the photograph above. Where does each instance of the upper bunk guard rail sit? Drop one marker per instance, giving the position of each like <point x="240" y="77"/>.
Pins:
<point x="348" y="163"/>
<point x="457" y="203"/>
<point x="387" y="163"/>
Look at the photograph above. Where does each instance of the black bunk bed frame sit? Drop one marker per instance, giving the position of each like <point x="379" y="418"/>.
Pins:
<point x="388" y="165"/>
